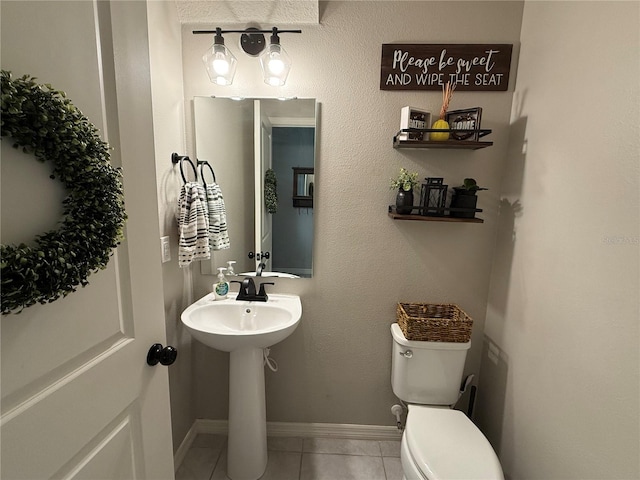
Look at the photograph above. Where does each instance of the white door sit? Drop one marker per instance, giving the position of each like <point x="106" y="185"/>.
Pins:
<point x="263" y="132"/>
<point x="78" y="399"/>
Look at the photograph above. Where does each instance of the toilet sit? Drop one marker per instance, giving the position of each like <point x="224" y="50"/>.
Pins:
<point x="438" y="443"/>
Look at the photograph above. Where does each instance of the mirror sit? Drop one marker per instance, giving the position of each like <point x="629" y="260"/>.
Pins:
<point x="247" y="141"/>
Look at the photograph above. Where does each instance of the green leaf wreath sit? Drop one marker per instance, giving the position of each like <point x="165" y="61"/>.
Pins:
<point x="43" y="122"/>
<point x="271" y="191"/>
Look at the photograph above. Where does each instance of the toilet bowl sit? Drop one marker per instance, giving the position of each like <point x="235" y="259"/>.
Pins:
<point x="438" y="443"/>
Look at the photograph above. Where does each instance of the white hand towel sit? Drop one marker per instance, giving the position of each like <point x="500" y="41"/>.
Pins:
<point x="218" y="233"/>
<point x="193" y="224"/>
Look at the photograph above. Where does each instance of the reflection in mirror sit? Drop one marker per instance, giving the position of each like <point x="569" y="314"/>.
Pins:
<point x="303" y="184"/>
<point x="242" y="140"/>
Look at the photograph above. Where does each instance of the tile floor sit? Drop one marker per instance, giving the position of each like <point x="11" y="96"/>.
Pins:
<point x="293" y="458"/>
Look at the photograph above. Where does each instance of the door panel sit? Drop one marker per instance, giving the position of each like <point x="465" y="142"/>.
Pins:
<point x="112" y="456"/>
<point x="50" y="341"/>
<point x="78" y="399"/>
<point x="60" y="421"/>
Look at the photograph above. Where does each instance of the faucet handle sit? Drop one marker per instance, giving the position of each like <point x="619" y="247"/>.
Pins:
<point x="262" y="292"/>
<point x="248" y="286"/>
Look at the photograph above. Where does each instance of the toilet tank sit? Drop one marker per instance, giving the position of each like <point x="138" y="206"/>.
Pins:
<point x="428" y="373"/>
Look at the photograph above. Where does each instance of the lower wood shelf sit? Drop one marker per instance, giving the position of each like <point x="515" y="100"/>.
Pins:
<point x="431" y="218"/>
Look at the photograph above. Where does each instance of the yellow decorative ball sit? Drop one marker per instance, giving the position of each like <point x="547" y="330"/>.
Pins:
<point x="439" y="136"/>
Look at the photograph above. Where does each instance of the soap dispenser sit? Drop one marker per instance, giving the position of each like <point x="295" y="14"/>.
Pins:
<point x="230" y="270"/>
<point x="221" y="288"/>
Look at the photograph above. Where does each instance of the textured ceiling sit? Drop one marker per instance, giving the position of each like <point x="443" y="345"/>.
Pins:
<point x="231" y="12"/>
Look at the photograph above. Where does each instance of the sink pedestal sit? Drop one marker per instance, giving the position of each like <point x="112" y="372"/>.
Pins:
<point x="247" y="443"/>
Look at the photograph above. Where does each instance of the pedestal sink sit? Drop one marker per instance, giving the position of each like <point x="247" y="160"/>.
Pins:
<point x="244" y="329"/>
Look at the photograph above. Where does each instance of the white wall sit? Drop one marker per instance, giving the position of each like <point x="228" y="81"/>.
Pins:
<point x="165" y="55"/>
<point x="336" y="366"/>
<point x="559" y="382"/>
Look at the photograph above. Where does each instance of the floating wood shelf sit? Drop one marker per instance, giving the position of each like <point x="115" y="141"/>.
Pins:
<point x="432" y="218"/>
<point x="457" y="144"/>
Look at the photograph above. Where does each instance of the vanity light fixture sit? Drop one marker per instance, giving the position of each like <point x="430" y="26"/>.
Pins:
<point x="274" y="60"/>
<point x="219" y="61"/>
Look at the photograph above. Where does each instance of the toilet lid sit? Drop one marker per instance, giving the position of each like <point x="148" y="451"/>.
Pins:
<point x="445" y="444"/>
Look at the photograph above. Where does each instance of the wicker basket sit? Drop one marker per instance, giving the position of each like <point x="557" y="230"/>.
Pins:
<point x="434" y="322"/>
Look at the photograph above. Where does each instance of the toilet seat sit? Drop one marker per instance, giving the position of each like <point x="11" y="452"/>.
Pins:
<point x="445" y="445"/>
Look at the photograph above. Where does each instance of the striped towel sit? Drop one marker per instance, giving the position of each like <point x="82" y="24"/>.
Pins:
<point x="218" y="233"/>
<point x="193" y="224"/>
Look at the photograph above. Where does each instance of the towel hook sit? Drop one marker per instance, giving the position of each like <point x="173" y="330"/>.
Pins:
<point x="175" y="158"/>
<point x="202" y="163"/>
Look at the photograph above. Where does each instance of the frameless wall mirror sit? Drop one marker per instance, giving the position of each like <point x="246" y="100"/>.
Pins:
<point x="247" y="141"/>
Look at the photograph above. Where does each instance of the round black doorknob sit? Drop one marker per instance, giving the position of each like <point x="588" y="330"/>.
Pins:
<point x="164" y="355"/>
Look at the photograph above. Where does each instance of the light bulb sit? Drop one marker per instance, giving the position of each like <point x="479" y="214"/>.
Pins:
<point x="220" y="64"/>
<point x="275" y="64"/>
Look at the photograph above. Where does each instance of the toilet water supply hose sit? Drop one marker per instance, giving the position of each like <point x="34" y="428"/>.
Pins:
<point x="463" y="388"/>
<point x="268" y="361"/>
<point x="396" y="410"/>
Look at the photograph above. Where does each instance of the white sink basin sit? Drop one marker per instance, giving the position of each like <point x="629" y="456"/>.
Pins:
<point x="230" y="325"/>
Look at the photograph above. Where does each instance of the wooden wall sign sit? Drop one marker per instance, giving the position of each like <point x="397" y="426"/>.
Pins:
<point x="431" y="66"/>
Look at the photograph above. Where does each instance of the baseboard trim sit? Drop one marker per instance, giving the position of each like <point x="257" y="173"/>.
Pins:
<point x="185" y="445"/>
<point x="291" y="429"/>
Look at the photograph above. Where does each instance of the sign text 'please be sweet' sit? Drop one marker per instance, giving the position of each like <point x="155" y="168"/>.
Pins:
<point x="431" y="66"/>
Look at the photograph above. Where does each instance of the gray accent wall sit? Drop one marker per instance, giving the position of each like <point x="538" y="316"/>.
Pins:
<point x="292" y="226"/>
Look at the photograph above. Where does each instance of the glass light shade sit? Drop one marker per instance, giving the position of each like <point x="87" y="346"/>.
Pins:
<point x="276" y="64"/>
<point x="221" y="64"/>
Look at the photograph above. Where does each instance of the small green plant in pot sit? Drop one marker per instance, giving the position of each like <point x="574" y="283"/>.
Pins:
<point x="465" y="197"/>
<point x="404" y="183"/>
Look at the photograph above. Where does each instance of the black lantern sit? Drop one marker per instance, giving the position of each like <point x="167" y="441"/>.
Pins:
<point x="433" y="196"/>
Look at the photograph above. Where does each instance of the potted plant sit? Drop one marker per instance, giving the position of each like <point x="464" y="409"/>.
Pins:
<point x="465" y="197"/>
<point x="404" y="183"/>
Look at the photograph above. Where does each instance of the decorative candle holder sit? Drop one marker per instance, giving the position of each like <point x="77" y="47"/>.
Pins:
<point x="433" y="196"/>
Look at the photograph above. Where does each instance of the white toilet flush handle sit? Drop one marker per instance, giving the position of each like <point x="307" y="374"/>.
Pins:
<point x="407" y="354"/>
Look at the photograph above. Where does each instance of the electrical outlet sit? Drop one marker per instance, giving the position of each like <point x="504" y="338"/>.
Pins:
<point x="165" y="246"/>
